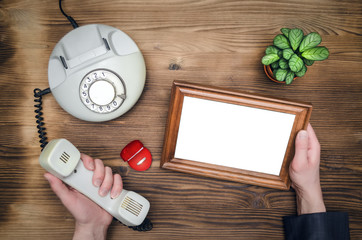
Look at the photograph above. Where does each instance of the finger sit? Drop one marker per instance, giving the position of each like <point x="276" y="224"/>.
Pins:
<point x="107" y="182"/>
<point x="117" y="186"/>
<point x="313" y="140"/>
<point x="313" y="145"/>
<point x="58" y="187"/>
<point x="87" y="161"/>
<point x="98" y="174"/>
<point x="301" y="150"/>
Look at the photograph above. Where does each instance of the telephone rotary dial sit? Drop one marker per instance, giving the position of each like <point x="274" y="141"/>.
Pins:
<point x="102" y="91"/>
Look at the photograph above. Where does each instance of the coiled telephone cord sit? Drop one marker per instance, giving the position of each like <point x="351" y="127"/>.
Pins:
<point x="145" y="226"/>
<point x="38" y="93"/>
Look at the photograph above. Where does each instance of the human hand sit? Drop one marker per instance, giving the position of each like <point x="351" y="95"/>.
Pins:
<point x="91" y="221"/>
<point x="304" y="173"/>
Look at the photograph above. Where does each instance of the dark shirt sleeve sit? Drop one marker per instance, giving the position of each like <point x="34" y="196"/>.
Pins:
<point x="317" y="226"/>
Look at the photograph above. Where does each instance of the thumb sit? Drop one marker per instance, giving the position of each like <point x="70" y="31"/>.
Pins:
<point x="58" y="187"/>
<point x="301" y="151"/>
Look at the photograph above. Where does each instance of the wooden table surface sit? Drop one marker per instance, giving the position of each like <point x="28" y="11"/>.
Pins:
<point x="213" y="42"/>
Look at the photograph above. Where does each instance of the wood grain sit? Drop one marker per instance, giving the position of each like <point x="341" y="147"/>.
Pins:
<point x="212" y="42"/>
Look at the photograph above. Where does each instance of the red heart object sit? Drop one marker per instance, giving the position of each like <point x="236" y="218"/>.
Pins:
<point x="138" y="156"/>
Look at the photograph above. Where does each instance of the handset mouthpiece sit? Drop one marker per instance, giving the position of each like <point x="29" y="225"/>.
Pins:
<point x="60" y="157"/>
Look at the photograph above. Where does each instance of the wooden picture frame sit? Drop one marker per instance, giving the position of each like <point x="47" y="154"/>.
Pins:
<point x="182" y="91"/>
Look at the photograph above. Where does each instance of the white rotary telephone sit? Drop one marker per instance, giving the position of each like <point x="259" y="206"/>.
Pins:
<point x="96" y="72"/>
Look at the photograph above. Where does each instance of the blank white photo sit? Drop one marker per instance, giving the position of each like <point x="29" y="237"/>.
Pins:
<point x="232" y="135"/>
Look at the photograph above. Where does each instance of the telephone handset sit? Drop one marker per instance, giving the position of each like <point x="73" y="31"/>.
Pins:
<point x="61" y="158"/>
<point x="96" y="72"/>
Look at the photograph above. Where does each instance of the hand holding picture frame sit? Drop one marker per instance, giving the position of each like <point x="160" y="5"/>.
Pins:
<point x="232" y="135"/>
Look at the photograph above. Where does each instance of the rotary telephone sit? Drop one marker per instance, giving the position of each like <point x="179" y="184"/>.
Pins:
<point x="96" y="73"/>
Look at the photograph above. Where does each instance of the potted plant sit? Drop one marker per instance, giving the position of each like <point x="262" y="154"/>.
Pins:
<point x="291" y="53"/>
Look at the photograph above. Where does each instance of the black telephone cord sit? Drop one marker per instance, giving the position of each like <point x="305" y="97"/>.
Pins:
<point x="70" y="19"/>
<point x="38" y="93"/>
<point x="145" y="226"/>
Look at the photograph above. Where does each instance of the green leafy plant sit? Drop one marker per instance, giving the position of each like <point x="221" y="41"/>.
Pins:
<point x="292" y="52"/>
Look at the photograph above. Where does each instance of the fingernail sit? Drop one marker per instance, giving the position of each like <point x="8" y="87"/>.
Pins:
<point x="114" y="195"/>
<point x="97" y="182"/>
<point x="102" y="192"/>
<point x="47" y="178"/>
<point x="302" y="134"/>
<point x="91" y="166"/>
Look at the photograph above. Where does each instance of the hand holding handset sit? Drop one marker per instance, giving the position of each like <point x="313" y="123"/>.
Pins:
<point x="62" y="159"/>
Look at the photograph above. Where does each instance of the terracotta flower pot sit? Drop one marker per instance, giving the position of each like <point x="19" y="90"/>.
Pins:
<point x="268" y="71"/>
